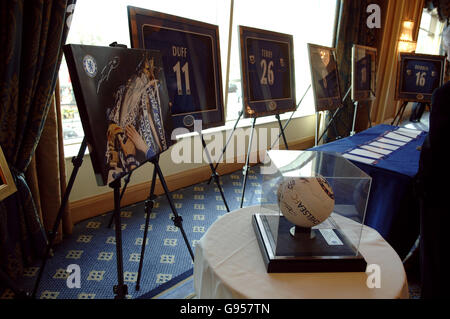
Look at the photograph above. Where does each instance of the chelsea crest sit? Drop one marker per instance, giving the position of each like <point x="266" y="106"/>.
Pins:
<point x="90" y="65"/>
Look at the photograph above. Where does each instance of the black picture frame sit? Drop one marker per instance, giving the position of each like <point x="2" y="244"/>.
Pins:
<point x="191" y="58"/>
<point x="122" y="99"/>
<point x="418" y="75"/>
<point x="324" y="77"/>
<point x="267" y="72"/>
<point x="364" y="73"/>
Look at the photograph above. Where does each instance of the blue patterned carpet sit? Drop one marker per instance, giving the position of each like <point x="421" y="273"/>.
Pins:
<point x="167" y="260"/>
<point x="168" y="268"/>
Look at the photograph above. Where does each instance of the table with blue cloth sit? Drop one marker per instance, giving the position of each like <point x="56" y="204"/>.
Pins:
<point x="393" y="208"/>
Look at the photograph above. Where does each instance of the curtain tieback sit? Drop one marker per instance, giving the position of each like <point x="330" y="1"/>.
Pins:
<point x="17" y="174"/>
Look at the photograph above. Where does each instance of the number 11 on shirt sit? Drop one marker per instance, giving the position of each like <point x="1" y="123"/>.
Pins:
<point x="185" y="70"/>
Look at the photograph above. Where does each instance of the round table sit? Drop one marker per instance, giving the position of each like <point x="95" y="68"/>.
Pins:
<point x="228" y="264"/>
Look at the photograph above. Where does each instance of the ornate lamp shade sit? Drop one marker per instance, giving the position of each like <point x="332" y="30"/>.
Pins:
<point x="406" y="43"/>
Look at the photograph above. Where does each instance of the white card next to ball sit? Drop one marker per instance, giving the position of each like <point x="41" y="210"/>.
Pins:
<point x="330" y="237"/>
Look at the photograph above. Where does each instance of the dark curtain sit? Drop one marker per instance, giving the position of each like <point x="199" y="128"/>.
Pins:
<point x="32" y="33"/>
<point x="46" y="174"/>
<point x="351" y="28"/>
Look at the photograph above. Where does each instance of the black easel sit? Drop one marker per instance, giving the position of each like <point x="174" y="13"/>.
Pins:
<point x="355" y="111"/>
<point x="282" y="134"/>
<point x="290" y="117"/>
<point x="149" y="203"/>
<point x="226" y="144"/>
<point x="246" y="166"/>
<point x="127" y="180"/>
<point x="120" y="289"/>
<point x="337" y="112"/>
<point x="214" y="174"/>
<point x="277" y="116"/>
<point x="400" y="112"/>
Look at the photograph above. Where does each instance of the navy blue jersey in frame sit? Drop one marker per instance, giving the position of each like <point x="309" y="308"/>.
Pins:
<point x="363" y="72"/>
<point x="328" y="86"/>
<point x="324" y="77"/>
<point x="363" y="67"/>
<point x="267" y="67"/>
<point x="190" y="53"/>
<point x="418" y="76"/>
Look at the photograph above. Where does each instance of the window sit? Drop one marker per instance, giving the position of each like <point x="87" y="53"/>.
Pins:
<point x="430" y="33"/>
<point x="102" y="22"/>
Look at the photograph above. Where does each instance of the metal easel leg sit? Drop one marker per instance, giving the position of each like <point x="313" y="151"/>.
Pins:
<point x="226" y="144"/>
<point x="338" y="110"/>
<point x="127" y="180"/>
<point x="246" y="167"/>
<point x="120" y="290"/>
<point x="316" y="129"/>
<point x="400" y="112"/>
<point x="149" y="204"/>
<point x="177" y="219"/>
<point x="355" y="110"/>
<point x="290" y="117"/>
<point x="282" y="131"/>
<point x="328" y="125"/>
<point x="214" y="172"/>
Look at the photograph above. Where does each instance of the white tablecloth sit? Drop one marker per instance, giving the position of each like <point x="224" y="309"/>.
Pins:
<point x="229" y="264"/>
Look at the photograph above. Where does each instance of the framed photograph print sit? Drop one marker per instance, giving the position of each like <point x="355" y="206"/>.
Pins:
<point x="363" y="73"/>
<point x="267" y="72"/>
<point x="122" y="99"/>
<point x="418" y="75"/>
<point x="191" y="60"/>
<point x="7" y="185"/>
<point x="324" y="77"/>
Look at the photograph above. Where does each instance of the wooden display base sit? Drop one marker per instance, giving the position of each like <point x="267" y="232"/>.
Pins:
<point x="311" y="253"/>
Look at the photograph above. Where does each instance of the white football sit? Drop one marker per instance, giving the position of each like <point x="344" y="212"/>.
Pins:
<point x="306" y="201"/>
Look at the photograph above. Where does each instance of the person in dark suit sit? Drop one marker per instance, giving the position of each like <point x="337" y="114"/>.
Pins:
<point x="433" y="189"/>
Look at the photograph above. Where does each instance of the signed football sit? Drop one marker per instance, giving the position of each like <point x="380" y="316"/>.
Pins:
<point x="306" y="201"/>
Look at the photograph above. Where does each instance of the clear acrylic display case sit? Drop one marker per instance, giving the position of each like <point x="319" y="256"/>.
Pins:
<point x="331" y="246"/>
